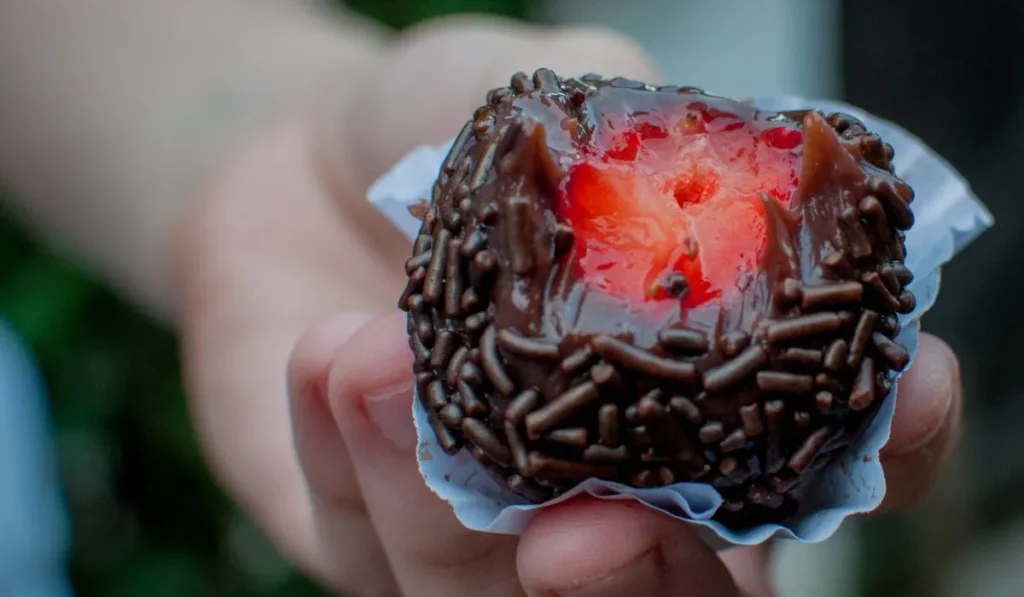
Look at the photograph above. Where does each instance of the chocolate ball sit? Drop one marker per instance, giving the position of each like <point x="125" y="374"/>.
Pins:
<point x="653" y="285"/>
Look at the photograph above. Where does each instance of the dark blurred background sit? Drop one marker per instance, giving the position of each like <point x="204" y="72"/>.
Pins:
<point x="149" y="520"/>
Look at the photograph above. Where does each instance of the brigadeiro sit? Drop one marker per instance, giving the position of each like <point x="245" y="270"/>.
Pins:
<point x="653" y="285"/>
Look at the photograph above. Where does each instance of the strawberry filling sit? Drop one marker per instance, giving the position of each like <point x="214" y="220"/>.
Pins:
<point x="659" y="196"/>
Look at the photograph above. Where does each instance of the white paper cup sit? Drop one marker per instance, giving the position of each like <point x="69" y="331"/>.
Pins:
<point x="948" y="216"/>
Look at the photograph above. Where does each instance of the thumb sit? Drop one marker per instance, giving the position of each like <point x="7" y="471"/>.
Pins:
<point x="596" y="548"/>
<point x="431" y="553"/>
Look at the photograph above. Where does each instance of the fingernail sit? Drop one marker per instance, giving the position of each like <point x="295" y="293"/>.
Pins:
<point x="390" y="409"/>
<point x="643" y="576"/>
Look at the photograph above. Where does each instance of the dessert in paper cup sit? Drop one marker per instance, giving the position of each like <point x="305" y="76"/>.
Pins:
<point x="657" y="294"/>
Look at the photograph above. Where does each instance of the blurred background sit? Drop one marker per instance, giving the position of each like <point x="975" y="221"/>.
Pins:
<point x="149" y="520"/>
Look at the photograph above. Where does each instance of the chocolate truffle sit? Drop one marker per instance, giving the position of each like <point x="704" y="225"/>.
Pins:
<point x="652" y="285"/>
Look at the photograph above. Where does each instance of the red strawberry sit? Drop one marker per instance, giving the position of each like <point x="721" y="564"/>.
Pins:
<point x="658" y="195"/>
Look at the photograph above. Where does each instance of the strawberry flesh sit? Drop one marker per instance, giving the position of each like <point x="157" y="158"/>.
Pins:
<point x="658" y="194"/>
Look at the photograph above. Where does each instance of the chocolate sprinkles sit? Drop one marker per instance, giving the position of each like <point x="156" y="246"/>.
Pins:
<point x="750" y="415"/>
<point x="896" y="357"/>
<point x="545" y="418"/>
<point x="472" y="243"/>
<point x="473" y="406"/>
<point x="433" y="282"/>
<point x="608" y="425"/>
<point x="520" y="246"/>
<point x="417" y="261"/>
<point x="572" y="364"/>
<point x="744" y="398"/>
<point x="840" y="293"/>
<point x="784" y="383"/>
<point x="522" y="405"/>
<point x="640" y="360"/>
<point x="860" y="337"/>
<point x="886" y="301"/>
<point x="444" y="346"/>
<point x="734" y="441"/>
<point x="452" y="415"/>
<point x="599" y="453"/>
<point x="732" y="372"/>
<point x="516" y="446"/>
<point x="690" y="341"/>
<point x="545" y="466"/>
<point x="805" y="454"/>
<point x="453" y="280"/>
<point x="863" y="393"/>
<point x="856" y="238"/>
<point x="455" y="364"/>
<point x="482" y="436"/>
<point x="685" y="408"/>
<point x="529" y="348"/>
<point x="664" y="430"/>
<point x="525" y="488"/>
<point x="437" y="396"/>
<point x="835" y="356"/>
<point x="803" y="326"/>
<point x="801" y="357"/>
<point x="448" y="442"/>
<point x="575" y="437"/>
<point x="493" y="366"/>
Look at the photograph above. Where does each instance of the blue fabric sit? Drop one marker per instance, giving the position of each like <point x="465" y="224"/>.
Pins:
<point x="33" y="523"/>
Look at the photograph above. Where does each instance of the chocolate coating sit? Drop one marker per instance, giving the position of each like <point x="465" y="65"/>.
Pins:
<point x="549" y="382"/>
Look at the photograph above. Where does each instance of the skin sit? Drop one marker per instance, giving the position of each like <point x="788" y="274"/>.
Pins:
<point x="281" y="281"/>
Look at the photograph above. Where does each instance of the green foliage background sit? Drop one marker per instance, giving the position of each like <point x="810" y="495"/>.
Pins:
<point x="147" y="517"/>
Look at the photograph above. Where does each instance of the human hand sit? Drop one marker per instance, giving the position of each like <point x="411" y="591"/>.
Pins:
<point x="584" y="547"/>
<point x="283" y="239"/>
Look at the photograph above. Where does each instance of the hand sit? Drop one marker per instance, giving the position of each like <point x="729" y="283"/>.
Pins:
<point x="584" y="547"/>
<point x="282" y="239"/>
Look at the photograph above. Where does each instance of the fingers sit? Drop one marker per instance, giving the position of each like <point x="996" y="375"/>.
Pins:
<point x="429" y="81"/>
<point x="590" y="548"/>
<point x="749" y="569"/>
<point x="430" y="552"/>
<point x="926" y="424"/>
<point x="346" y="553"/>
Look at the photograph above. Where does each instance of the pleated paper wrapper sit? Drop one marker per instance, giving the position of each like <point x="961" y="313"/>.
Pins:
<point x="948" y="216"/>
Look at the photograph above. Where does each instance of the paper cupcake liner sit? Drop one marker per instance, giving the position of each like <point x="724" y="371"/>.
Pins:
<point x="948" y="216"/>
